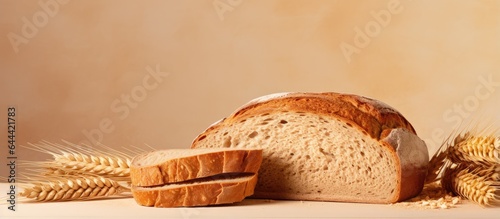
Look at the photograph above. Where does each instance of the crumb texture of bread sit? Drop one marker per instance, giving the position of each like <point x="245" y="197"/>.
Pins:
<point x="177" y="165"/>
<point x="326" y="146"/>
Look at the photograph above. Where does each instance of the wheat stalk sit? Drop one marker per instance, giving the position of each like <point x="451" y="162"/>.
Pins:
<point x="476" y="183"/>
<point x="73" y="188"/>
<point x="438" y="162"/>
<point x="50" y="169"/>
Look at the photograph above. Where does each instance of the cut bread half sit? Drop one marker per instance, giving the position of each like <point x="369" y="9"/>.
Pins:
<point x="177" y="165"/>
<point x="216" y="190"/>
<point x="326" y="146"/>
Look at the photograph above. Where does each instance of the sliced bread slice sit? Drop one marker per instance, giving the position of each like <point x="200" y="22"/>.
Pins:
<point x="326" y="146"/>
<point x="210" y="191"/>
<point x="177" y="165"/>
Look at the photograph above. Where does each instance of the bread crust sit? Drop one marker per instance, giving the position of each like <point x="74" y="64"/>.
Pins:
<point x="413" y="162"/>
<point x="371" y="117"/>
<point x="214" y="193"/>
<point x="198" y="166"/>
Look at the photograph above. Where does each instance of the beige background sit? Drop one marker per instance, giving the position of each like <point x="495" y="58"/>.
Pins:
<point x="67" y="65"/>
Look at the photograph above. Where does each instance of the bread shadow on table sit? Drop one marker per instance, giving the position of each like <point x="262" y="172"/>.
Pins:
<point x="253" y="201"/>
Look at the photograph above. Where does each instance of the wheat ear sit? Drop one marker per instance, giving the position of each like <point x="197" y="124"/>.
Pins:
<point x="476" y="183"/>
<point x="100" y="165"/>
<point x="480" y="150"/>
<point x="74" y="158"/>
<point x="73" y="188"/>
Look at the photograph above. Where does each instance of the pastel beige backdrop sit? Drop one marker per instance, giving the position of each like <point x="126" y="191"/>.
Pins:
<point x="159" y="72"/>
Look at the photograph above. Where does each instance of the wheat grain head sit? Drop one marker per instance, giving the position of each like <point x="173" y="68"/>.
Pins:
<point x="478" y="149"/>
<point x="100" y="165"/>
<point x="476" y="183"/>
<point x="75" y="158"/>
<point x="72" y="188"/>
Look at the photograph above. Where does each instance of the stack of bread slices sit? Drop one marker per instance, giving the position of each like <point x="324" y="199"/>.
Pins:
<point x="197" y="177"/>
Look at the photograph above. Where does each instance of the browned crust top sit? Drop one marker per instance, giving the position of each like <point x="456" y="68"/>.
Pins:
<point x="372" y="116"/>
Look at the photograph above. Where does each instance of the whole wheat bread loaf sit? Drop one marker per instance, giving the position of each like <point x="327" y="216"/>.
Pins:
<point x="326" y="146"/>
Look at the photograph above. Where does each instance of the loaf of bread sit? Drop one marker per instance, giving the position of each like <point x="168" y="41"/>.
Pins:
<point x="326" y="146"/>
<point x="194" y="177"/>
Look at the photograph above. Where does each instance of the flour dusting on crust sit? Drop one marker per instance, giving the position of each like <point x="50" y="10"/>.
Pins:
<point x="377" y="103"/>
<point x="268" y="97"/>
